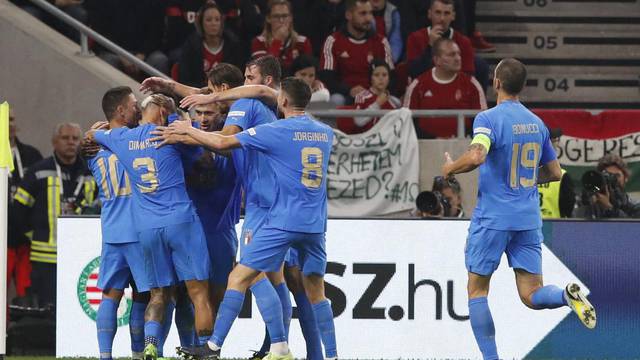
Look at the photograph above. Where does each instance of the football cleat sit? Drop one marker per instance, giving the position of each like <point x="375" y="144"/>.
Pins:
<point x="272" y="356"/>
<point x="203" y="352"/>
<point x="150" y="352"/>
<point x="578" y="302"/>
<point x="258" y="355"/>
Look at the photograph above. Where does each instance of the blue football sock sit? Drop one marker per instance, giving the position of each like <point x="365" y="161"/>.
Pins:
<point x="227" y="313"/>
<point x="548" y="297"/>
<point x="309" y="327"/>
<point x="106" y="322"/>
<point x="152" y="333"/>
<point x="270" y="309"/>
<point x="136" y="326"/>
<point x="287" y="309"/>
<point x="483" y="329"/>
<point x="184" y="323"/>
<point x="166" y="326"/>
<point x="266" y="342"/>
<point x="324" y="319"/>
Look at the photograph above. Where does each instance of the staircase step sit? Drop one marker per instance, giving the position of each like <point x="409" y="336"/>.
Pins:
<point x="565" y="59"/>
<point x="566" y="7"/>
<point x="600" y="88"/>
<point x="582" y="45"/>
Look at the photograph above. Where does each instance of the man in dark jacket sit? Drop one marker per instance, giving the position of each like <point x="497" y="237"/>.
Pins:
<point x="18" y="264"/>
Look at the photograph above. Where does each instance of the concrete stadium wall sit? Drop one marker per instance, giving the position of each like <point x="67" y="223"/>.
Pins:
<point x="45" y="81"/>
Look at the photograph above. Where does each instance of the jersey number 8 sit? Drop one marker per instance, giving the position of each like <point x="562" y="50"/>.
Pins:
<point x="311" y="167"/>
<point x="526" y="158"/>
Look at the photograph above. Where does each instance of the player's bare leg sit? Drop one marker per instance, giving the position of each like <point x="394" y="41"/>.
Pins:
<point x="198" y="291"/>
<point x="480" y="315"/>
<point x="153" y="318"/>
<point x="314" y="288"/>
<point x="536" y="296"/>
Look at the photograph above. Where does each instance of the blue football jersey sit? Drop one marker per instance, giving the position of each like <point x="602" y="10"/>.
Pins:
<point x="160" y="195"/>
<point x="507" y="190"/>
<point x="215" y="191"/>
<point x="251" y="167"/>
<point x="114" y="189"/>
<point x="298" y="150"/>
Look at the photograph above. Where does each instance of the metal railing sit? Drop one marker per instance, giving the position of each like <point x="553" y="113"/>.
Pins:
<point x="458" y="114"/>
<point x="86" y="33"/>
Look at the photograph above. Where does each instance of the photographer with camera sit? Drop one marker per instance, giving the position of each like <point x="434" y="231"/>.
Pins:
<point x="603" y="194"/>
<point x="444" y="199"/>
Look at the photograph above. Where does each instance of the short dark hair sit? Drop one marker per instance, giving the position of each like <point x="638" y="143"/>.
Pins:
<point x="446" y="2"/>
<point x="113" y="98"/>
<point x="302" y="62"/>
<point x="297" y="91"/>
<point x="512" y="74"/>
<point x="438" y="44"/>
<point x="224" y="73"/>
<point x="350" y="4"/>
<point x="268" y="65"/>
<point x="613" y="160"/>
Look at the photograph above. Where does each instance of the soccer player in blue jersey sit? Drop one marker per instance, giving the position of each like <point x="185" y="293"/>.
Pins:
<point x="168" y="228"/>
<point x="511" y="146"/>
<point x="122" y="258"/>
<point x="297" y="149"/>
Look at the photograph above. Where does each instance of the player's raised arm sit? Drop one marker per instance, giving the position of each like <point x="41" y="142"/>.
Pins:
<point x="157" y="84"/>
<point x="261" y="92"/>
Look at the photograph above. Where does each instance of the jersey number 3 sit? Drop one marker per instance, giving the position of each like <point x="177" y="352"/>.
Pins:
<point x="311" y="167"/>
<point x="150" y="177"/>
<point x="524" y="158"/>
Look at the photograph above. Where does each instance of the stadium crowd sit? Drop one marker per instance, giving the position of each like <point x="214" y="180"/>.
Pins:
<point x="344" y="41"/>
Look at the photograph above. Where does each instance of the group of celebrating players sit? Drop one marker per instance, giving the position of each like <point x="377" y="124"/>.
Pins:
<point x="172" y="190"/>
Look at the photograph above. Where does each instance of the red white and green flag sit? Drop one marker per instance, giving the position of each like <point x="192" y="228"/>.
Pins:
<point x="587" y="137"/>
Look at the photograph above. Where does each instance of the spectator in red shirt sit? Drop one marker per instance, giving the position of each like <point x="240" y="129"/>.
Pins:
<point x="208" y="46"/>
<point x="304" y="67"/>
<point x="347" y="53"/>
<point x="441" y="14"/>
<point x="377" y="97"/>
<point x="279" y="38"/>
<point x="445" y="86"/>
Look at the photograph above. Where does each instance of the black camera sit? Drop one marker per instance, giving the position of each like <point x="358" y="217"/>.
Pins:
<point x="596" y="181"/>
<point x="433" y="203"/>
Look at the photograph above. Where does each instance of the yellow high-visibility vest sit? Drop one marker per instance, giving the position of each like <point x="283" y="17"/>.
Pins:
<point x="550" y="199"/>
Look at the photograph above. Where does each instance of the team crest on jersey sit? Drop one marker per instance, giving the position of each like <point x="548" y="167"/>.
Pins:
<point x="344" y="55"/>
<point x="428" y="94"/>
<point x="458" y="95"/>
<point x="89" y="295"/>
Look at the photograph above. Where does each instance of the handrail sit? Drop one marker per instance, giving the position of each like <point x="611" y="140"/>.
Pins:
<point x="86" y="32"/>
<point x="459" y="114"/>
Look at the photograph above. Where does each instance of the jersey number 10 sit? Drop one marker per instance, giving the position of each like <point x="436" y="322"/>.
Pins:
<point x="113" y="176"/>
<point x="524" y="158"/>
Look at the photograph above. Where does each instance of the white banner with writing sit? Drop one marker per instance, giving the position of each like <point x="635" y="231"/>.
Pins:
<point x="376" y="172"/>
<point x="397" y="288"/>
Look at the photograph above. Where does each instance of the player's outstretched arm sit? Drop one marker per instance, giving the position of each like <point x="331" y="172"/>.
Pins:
<point x="549" y="172"/>
<point x="179" y="131"/>
<point x="156" y="84"/>
<point x="471" y="159"/>
<point x="262" y="92"/>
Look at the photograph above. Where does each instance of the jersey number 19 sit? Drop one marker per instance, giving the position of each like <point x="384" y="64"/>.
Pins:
<point x="523" y="158"/>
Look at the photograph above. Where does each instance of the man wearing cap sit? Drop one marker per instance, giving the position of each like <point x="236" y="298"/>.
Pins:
<point x="557" y="198"/>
